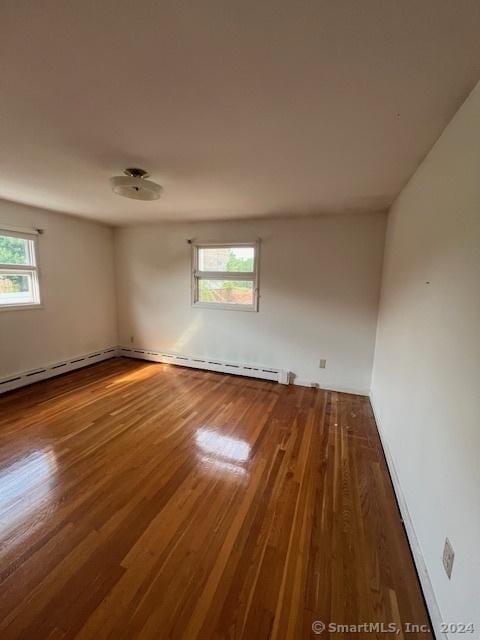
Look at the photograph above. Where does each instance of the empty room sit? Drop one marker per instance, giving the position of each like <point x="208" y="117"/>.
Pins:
<point x="239" y="320"/>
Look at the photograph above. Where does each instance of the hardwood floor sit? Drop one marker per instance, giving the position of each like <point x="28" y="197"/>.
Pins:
<point x="139" y="500"/>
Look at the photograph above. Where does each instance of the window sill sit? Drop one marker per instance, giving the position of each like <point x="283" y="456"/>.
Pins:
<point x="224" y="307"/>
<point x="20" y="307"/>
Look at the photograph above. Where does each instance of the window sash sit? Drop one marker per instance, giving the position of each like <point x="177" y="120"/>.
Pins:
<point x="26" y="269"/>
<point x="31" y="241"/>
<point x="226" y="245"/>
<point x="225" y="275"/>
<point x="17" y="267"/>
<point x="33" y="289"/>
<point x="249" y="306"/>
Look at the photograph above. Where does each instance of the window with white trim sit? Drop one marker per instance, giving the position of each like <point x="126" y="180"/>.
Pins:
<point x="225" y="276"/>
<point x="19" y="286"/>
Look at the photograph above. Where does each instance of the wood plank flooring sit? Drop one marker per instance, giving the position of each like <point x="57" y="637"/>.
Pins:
<point x="139" y="500"/>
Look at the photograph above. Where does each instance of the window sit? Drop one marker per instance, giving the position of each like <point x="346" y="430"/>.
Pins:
<point x="225" y="276"/>
<point x="18" y="270"/>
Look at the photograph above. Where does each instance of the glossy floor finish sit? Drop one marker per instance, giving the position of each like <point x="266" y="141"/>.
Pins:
<point x="139" y="500"/>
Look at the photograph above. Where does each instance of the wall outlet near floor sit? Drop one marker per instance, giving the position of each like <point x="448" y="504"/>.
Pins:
<point x="448" y="556"/>
<point x="323" y="363"/>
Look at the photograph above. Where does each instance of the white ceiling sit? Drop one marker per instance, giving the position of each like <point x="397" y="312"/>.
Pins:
<point x="238" y="108"/>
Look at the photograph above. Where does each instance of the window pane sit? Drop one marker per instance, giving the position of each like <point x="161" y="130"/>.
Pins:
<point x="226" y="291"/>
<point x="226" y="259"/>
<point x="15" y="250"/>
<point x="17" y="288"/>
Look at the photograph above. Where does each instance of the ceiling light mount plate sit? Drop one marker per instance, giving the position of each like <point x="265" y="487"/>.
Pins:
<point x="136" y="173"/>
<point x="134" y="184"/>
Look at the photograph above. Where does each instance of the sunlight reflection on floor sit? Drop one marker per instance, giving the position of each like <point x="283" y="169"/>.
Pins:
<point x="223" y="453"/>
<point x="25" y="487"/>
<point x="212" y="442"/>
<point x="138" y="375"/>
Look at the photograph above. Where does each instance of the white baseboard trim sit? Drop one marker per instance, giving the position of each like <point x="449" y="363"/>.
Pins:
<point x="17" y="380"/>
<point x="282" y="376"/>
<point x="209" y="364"/>
<point x="426" y="584"/>
<point x="338" y="389"/>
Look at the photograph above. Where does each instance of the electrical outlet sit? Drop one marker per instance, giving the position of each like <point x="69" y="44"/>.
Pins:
<point x="323" y="363"/>
<point x="448" y="556"/>
<point x="131" y="339"/>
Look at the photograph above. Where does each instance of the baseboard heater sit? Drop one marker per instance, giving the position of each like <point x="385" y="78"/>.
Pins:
<point x="281" y="376"/>
<point x="55" y="369"/>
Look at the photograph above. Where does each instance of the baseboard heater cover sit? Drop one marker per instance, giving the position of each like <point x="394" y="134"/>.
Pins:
<point x="282" y="376"/>
<point x="17" y="380"/>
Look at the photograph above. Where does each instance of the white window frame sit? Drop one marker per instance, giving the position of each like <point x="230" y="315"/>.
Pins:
<point x="31" y="268"/>
<point x="198" y="275"/>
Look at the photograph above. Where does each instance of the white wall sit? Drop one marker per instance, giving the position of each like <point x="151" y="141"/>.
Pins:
<point x="426" y="383"/>
<point x="77" y="289"/>
<point x="319" y="284"/>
